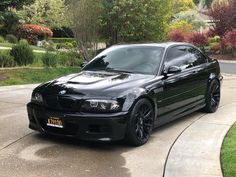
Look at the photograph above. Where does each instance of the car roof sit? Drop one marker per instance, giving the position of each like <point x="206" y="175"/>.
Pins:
<point x="164" y="44"/>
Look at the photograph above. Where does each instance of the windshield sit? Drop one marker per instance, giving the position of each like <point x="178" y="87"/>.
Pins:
<point x="134" y="59"/>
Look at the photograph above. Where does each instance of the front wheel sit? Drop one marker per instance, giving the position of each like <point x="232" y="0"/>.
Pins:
<point x="213" y="97"/>
<point x="140" y="124"/>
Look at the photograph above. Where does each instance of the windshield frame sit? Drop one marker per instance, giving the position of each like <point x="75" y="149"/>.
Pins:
<point x="155" y="72"/>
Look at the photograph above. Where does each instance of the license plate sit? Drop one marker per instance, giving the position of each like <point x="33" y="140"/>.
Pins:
<point x="55" y="122"/>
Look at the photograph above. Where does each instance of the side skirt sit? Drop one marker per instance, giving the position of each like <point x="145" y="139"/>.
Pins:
<point x="179" y="113"/>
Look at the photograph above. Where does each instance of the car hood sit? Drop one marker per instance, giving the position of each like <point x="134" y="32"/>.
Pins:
<point x="95" y="84"/>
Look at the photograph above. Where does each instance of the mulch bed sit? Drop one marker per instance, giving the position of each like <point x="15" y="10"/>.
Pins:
<point x="2" y="78"/>
<point x="224" y="57"/>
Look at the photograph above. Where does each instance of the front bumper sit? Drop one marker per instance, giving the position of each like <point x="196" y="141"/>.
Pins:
<point x="95" y="127"/>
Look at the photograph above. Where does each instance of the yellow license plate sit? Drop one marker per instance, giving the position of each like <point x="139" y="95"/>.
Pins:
<point x="55" y="122"/>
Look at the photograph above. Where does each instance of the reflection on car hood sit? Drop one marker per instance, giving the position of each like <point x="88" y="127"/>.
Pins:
<point x="94" y="83"/>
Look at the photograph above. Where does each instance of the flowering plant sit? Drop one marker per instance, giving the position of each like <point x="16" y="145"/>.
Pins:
<point x="33" y="32"/>
<point x="198" y="39"/>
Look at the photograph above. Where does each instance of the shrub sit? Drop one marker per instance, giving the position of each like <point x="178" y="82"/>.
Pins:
<point x="48" y="45"/>
<point x="61" y="46"/>
<point x="63" y="40"/>
<point x="177" y="36"/>
<point x="22" y="54"/>
<point x="34" y="32"/>
<point x="230" y="38"/>
<point x="215" y="39"/>
<point x="23" y="42"/>
<point x="69" y="45"/>
<point x="214" y="47"/>
<point x="198" y="39"/>
<point x="49" y="59"/>
<point x="210" y="33"/>
<point x="11" y="38"/>
<point x="74" y="43"/>
<point x="6" y="60"/>
<point x="2" y="40"/>
<point x="191" y="17"/>
<point x="71" y="58"/>
<point x="182" y="26"/>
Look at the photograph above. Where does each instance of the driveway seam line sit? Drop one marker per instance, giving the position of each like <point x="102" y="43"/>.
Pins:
<point x="17" y="140"/>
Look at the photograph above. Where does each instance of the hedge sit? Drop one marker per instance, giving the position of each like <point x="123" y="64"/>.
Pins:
<point x="63" y="40"/>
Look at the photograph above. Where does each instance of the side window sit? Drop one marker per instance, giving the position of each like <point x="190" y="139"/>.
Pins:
<point x="197" y="57"/>
<point x="178" y="56"/>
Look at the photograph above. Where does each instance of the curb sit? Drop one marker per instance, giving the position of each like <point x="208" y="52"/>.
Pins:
<point x="228" y="76"/>
<point x="227" y="61"/>
<point x="210" y="153"/>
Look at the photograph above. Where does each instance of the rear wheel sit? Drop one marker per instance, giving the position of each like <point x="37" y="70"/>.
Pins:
<point x="140" y="124"/>
<point x="213" y="97"/>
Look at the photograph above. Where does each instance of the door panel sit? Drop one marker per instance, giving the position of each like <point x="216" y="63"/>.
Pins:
<point x="177" y="88"/>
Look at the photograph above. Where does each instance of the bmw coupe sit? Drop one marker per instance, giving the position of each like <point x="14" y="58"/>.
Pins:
<point x="126" y="91"/>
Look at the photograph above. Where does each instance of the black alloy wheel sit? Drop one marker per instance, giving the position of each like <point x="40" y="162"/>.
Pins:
<point x="213" y="97"/>
<point x="140" y="124"/>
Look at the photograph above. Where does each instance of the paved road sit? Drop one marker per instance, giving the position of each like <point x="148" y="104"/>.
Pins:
<point x="229" y="68"/>
<point x="27" y="153"/>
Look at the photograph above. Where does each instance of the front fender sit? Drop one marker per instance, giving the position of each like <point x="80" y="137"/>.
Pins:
<point x="131" y="97"/>
<point x="213" y="76"/>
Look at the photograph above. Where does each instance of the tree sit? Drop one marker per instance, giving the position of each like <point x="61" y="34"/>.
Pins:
<point x="224" y="16"/>
<point x="85" y="18"/>
<point x="118" y="21"/>
<point x="183" y="5"/>
<point x="8" y="18"/>
<point x="131" y="20"/>
<point x="192" y="17"/>
<point x="50" y="13"/>
<point x="230" y="40"/>
<point x="17" y="4"/>
<point x="203" y="3"/>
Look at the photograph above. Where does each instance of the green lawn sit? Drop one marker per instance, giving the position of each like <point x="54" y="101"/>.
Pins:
<point x="10" y="45"/>
<point x="30" y="76"/>
<point x="228" y="153"/>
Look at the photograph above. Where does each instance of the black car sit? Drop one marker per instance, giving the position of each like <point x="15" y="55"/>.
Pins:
<point x="126" y="91"/>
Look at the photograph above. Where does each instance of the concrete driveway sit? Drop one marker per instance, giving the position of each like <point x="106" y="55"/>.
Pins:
<point x="189" y="146"/>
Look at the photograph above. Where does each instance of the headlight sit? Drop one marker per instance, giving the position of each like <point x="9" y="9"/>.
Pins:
<point x="100" y="106"/>
<point x="37" y="97"/>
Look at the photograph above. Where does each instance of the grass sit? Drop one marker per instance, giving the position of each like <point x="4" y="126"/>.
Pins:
<point x="10" y="45"/>
<point x="37" y="60"/>
<point x="31" y="76"/>
<point x="228" y="153"/>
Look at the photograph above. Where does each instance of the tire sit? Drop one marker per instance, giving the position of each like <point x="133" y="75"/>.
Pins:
<point x="140" y="124"/>
<point x="213" y="97"/>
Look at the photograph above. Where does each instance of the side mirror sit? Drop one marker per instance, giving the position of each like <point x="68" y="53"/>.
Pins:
<point x="83" y="64"/>
<point x="174" y="69"/>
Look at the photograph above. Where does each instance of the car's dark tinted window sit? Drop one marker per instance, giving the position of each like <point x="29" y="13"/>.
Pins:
<point x="140" y="59"/>
<point x="178" y="56"/>
<point x="196" y="56"/>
